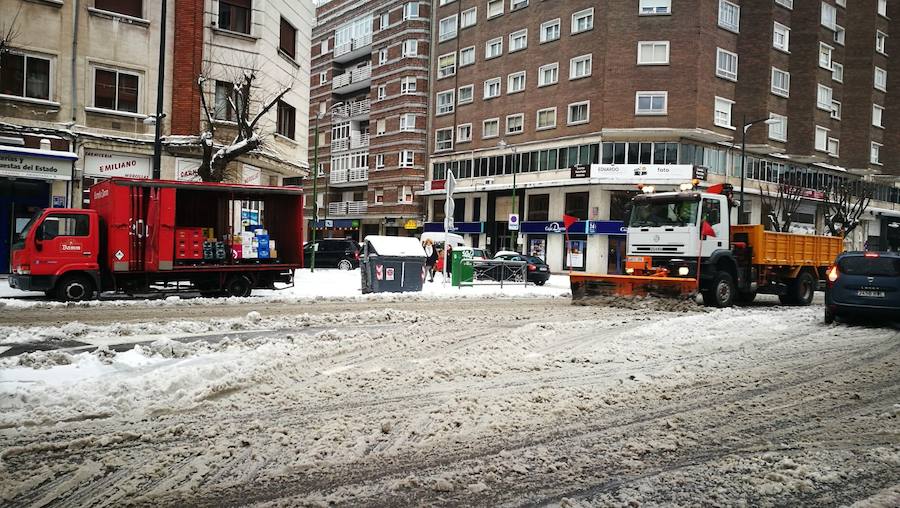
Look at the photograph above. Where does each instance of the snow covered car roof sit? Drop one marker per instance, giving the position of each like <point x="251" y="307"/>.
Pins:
<point x="395" y="246"/>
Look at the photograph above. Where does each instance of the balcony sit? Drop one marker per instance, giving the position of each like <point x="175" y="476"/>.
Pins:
<point x="347" y="208"/>
<point x="354" y="142"/>
<point x="349" y="177"/>
<point x="357" y="110"/>
<point x="353" y="49"/>
<point x="352" y="81"/>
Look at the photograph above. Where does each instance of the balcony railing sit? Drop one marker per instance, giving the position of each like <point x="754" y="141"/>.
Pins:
<point x="360" y="141"/>
<point x="353" y="45"/>
<point x="353" y="109"/>
<point x="354" y="142"/>
<point x="347" y="208"/>
<point x="355" y="76"/>
<point x="351" y="175"/>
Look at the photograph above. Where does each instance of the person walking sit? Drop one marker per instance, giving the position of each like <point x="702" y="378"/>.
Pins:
<point x="431" y="257"/>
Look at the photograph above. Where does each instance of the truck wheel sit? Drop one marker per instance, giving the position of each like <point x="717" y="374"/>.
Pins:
<point x="239" y="286"/>
<point x="722" y="292"/>
<point x="803" y="289"/>
<point x="345" y="265"/>
<point x="74" y="288"/>
<point x="745" y="297"/>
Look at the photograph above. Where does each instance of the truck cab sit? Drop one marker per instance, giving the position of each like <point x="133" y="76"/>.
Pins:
<point x="58" y="251"/>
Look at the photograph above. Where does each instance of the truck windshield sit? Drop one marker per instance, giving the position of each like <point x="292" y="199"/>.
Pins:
<point x="654" y="213"/>
<point x="29" y="225"/>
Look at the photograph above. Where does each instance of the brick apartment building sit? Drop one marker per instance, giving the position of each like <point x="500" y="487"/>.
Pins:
<point x="369" y="96"/>
<point x="523" y="90"/>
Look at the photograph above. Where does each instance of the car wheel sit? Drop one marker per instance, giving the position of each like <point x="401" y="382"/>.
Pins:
<point x="345" y="265"/>
<point x="75" y="288"/>
<point x="722" y="293"/>
<point x="239" y="286"/>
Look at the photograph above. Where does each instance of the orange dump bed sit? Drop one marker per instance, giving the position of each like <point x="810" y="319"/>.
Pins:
<point x="787" y="249"/>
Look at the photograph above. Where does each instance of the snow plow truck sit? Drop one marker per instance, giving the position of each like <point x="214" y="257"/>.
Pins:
<point x="683" y="243"/>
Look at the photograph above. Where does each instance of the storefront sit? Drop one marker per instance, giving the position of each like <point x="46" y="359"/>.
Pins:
<point x="546" y="240"/>
<point x="100" y="165"/>
<point x="30" y="179"/>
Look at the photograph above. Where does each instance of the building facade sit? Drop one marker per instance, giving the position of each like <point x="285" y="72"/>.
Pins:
<point x="542" y="109"/>
<point x="78" y="93"/>
<point x="368" y="113"/>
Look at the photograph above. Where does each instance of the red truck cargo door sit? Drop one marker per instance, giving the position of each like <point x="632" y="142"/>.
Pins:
<point x="160" y="231"/>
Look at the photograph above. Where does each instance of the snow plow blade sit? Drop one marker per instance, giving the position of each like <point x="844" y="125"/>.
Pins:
<point x="587" y="286"/>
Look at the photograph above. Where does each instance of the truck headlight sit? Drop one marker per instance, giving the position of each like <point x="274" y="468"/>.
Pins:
<point x="684" y="271"/>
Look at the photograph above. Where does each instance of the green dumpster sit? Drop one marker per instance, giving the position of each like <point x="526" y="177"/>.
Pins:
<point x="463" y="273"/>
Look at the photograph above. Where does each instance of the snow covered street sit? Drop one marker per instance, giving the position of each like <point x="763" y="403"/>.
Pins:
<point x="444" y="399"/>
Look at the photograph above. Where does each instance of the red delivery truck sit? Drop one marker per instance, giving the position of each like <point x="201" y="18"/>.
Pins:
<point x="140" y="236"/>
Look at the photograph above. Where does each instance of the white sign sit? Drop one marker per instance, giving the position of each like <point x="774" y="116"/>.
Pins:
<point x="108" y="164"/>
<point x="513" y="222"/>
<point x="22" y="165"/>
<point x="251" y="175"/>
<point x="186" y="170"/>
<point x="643" y="173"/>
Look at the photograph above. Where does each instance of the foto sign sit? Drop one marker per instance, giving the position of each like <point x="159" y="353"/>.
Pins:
<point x="643" y="173"/>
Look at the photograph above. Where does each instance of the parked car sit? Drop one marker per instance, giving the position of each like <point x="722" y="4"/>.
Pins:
<point x="333" y="253"/>
<point x="863" y="284"/>
<point x="538" y="271"/>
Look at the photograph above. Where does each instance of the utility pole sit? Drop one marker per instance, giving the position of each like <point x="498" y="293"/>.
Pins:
<point x="160" y="92"/>
<point x="315" y="172"/>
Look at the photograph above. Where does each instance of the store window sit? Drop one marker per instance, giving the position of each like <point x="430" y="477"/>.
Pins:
<point x="539" y="207"/>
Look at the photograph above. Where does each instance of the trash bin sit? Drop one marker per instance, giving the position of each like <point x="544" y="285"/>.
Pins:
<point x="392" y="264"/>
<point x="462" y="272"/>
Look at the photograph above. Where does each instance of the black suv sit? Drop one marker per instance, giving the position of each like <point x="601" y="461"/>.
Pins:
<point x="333" y="253"/>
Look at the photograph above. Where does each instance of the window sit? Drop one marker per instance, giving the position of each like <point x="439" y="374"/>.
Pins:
<point x="655" y="7"/>
<point x="494" y="8"/>
<point x="379" y="196"/>
<point x="468" y="18"/>
<point x="789" y="4"/>
<point x="823" y="97"/>
<point x="490" y="128"/>
<point x="385" y="20"/>
<point x="59" y="224"/>
<point x="115" y="90"/>
<point x="447" y="28"/>
<point x="548" y="74"/>
<point x="443" y="140"/>
<point x="323" y="77"/>
<point x="729" y="16"/>
<point x="407" y="159"/>
<point x="515" y="124"/>
<point x="405" y="195"/>
<point x="580" y="67"/>
<point x="550" y="30"/>
<point x="411" y="10"/>
<point x="882" y="8"/>
<point x="877" y="115"/>
<point x="875" y="153"/>
<point x="518" y="40"/>
<point x="234" y="15"/>
<point x="287" y="41"/>
<point x="821" y="139"/>
<point x="446" y="65"/>
<point x="781" y="82"/>
<point x="726" y="64"/>
<point x="825" y="55"/>
<point x="881" y="79"/>
<point x="515" y="82"/>
<point x="579" y="112"/>
<point x="835" y="110"/>
<point x="881" y="42"/>
<point x="381" y="93"/>
<point x="410" y="48"/>
<point x="407" y="122"/>
<point x="723" y="112"/>
<point x="781" y="37"/>
<point x="25" y="76"/>
<point x="466" y="94"/>
<point x="651" y="103"/>
<point x="546" y="118"/>
<point x="379" y="161"/>
<point x="517" y="4"/>
<point x="829" y="15"/>
<point x="133" y="8"/>
<point x="445" y="2"/>
<point x="223" y="110"/>
<point x="464" y="133"/>
<point x="493" y="48"/>
<point x="583" y="21"/>
<point x="837" y="72"/>
<point x="467" y="56"/>
<point x="287" y="120"/>
<point x="492" y="88"/>
<point x="323" y="47"/>
<point x="445" y="102"/>
<point x="380" y="127"/>
<point x="840" y="35"/>
<point x="407" y="86"/>
<point x="653" y="53"/>
<point x="778" y="130"/>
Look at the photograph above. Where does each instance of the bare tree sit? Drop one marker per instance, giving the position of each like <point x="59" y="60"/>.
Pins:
<point x="9" y="32"/>
<point x="845" y="202"/>
<point x="783" y="203"/>
<point x="247" y="139"/>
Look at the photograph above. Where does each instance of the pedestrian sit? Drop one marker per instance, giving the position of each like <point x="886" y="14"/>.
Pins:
<point x="431" y="257"/>
<point x="448" y="259"/>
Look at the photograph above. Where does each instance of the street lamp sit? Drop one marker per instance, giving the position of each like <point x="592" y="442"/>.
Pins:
<point x="514" y="238"/>
<point x="315" y="195"/>
<point x="160" y="93"/>
<point x="747" y="125"/>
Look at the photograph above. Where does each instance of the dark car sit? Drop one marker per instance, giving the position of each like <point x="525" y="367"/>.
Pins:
<point x="333" y="253"/>
<point x="538" y="271"/>
<point x="863" y="284"/>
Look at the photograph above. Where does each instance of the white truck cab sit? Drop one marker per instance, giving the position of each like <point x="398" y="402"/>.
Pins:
<point x="678" y="224"/>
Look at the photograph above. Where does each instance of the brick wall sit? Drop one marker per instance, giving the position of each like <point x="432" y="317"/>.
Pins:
<point x="187" y="62"/>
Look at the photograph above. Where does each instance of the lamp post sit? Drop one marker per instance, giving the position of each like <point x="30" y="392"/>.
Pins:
<point x="315" y="195"/>
<point x="746" y="127"/>
<point x="160" y="93"/>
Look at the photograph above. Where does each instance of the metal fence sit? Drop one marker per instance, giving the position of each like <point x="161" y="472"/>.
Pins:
<point x="477" y="272"/>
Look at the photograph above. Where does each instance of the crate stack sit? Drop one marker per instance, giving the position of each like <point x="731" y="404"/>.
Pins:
<point x="189" y="244"/>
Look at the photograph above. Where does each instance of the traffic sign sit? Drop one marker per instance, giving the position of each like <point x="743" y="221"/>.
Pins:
<point x="513" y="222"/>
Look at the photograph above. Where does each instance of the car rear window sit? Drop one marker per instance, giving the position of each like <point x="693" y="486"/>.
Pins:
<point x="872" y="266"/>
